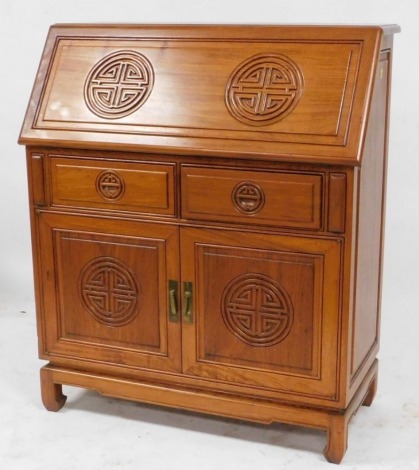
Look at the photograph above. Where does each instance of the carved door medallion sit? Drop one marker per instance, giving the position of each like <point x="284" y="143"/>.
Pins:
<point x="257" y="310"/>
<point x="110" y="291"/>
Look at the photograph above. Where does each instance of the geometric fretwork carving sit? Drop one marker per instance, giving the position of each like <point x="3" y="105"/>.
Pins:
<point x="110" y="291"/>
<point x="264" y="89"/>
<point x="248" y="198"/>
<point x="110" y="185"/>
<point x="118" y="84"/>
<point x="257" y="310"/>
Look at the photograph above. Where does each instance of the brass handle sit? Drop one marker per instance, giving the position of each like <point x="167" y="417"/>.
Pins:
<point x="173" y="303"/>
<point x="187" y="302"/>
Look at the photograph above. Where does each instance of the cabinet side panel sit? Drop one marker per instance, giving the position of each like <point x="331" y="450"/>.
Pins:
<point x="35" y="173"/>
<point x="370" y="228"/>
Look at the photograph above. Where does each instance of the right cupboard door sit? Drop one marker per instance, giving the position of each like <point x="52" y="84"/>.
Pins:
<point x="265" y="311"/>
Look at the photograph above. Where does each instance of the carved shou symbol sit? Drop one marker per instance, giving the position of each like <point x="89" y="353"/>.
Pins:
<point x="118" y="84"/>
<point x="248" y="198"/>
<point x="110" y="185"/>
<point x="110" y="291"/>
<point x="257" y="310"/>
<point x="264" y="89"/>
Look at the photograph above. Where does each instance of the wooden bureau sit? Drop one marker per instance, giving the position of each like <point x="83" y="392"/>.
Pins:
<point x="207" y="207"/>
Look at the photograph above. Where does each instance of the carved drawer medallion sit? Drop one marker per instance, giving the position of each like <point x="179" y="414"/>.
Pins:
<point x="248" y="198"/>
<point x="264" y="89"/>
<point x="119" y="84"/>
<point x="110" y="185"/>
<point x="110" y="291"/>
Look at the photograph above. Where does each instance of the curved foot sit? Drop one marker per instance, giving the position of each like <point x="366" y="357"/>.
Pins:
<point x="52" y="393"/>
<point x="337" y="439"/>
<point x="372" y="391"/>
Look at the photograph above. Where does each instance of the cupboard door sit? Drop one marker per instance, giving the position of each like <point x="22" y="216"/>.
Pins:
<point x="265" y="311"/>
<point x="105" y="291"/>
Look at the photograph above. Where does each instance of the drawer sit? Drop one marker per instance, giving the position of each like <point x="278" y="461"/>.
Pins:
<point x="252" y="197"/>
<point x="135" y="187"/>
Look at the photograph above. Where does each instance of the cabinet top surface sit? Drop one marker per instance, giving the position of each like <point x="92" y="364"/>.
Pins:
<point x="279" y="92"/>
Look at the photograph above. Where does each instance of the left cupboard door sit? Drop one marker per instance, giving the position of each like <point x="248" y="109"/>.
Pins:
<point x="103" y="287"/>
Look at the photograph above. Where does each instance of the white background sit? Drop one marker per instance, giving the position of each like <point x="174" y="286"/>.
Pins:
<point x="23" y="28"/>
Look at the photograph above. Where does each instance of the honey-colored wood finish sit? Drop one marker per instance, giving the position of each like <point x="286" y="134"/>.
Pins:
<point x="225" y="264"/>
<point x="207" y="213"/>
<point x="282" y="199"/>
<point x="79" y="259"/>
<point x="120" y="186"/>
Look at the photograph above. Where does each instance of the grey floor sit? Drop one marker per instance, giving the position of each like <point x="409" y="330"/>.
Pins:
<point x="94" y="432"/>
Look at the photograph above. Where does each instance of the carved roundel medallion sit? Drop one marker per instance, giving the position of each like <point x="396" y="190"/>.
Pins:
<point x="110" y="291"/>
<point x="118" y="84"/>
<point x="110" y="185"/>
<point x="264" y="89"/>
<point x="257" y="310"/>
<point x="248" y="198"/>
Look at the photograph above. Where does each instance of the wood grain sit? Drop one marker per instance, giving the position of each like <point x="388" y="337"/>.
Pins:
<point x="207" y="216"/>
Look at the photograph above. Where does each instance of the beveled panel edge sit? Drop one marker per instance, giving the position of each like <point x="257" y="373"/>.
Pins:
<point x="337" y="138"/>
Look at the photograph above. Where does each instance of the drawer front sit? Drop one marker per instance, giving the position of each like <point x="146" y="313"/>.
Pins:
<point x="135" y="187"/>
<point x="255" y="197"/>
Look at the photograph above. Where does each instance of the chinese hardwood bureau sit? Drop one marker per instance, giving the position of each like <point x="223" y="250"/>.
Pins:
<point x="207" y="207"/>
